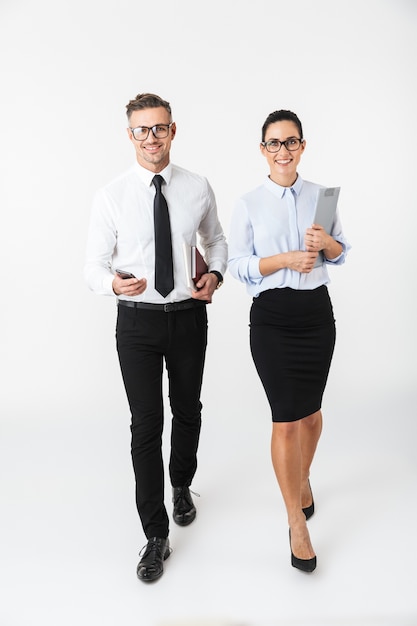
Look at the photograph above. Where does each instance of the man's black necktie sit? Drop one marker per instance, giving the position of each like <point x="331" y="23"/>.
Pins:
<point x="164" y="273"/>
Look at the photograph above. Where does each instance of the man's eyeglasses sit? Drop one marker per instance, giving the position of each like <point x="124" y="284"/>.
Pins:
<point x="159" y="131"/>
<point x="274" y="145"/>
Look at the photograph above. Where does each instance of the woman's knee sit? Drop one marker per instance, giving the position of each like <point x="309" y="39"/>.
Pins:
<point x="285" y="430"/>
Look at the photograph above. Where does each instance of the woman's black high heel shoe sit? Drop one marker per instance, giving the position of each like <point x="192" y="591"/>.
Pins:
<point x="309" y="510"/>
<point x="305" y="565"/>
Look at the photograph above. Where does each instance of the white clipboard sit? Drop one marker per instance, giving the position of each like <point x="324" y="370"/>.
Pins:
<point x="325" y="212"/>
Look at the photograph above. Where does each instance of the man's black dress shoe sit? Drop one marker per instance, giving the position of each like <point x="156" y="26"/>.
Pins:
<point x="184" y="509"/>
<point x="151" y="565"/>
<point x="309" y="510"/>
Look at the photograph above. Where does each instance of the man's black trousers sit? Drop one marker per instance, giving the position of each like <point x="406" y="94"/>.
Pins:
<point x="146" y="339"/>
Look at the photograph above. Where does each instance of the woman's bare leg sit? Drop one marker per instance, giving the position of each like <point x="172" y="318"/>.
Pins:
<point x="292" y="449"/>
<point x="310" y="431"/>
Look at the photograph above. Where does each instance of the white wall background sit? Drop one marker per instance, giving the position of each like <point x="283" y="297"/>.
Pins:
<point x="348" y="69"/>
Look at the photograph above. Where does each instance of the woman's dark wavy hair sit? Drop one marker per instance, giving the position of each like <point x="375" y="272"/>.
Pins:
<point x="281" y="116"/>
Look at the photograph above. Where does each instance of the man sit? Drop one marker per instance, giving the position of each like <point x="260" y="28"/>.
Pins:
<point x="157" y="324"/>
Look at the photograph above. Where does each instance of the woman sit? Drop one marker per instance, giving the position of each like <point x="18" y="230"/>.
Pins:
<point x="282" y="257"/>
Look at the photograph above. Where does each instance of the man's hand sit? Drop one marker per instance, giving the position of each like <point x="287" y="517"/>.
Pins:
<point x="128" y="286"/>
<point x="206" y="287"/>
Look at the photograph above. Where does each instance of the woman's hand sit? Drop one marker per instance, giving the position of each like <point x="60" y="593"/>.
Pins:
<point x="316" y="238"/>
<point x="301" y="261"/>
<point x="298" y="260"/>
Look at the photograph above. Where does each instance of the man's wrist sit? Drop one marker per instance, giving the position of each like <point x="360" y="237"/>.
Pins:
<point x="218" y="276"/>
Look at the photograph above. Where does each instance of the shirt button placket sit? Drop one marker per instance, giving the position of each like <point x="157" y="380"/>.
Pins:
<point x="294" y="237"/>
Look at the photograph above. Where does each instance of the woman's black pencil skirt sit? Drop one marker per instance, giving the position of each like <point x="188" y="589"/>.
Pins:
<point x="292" y="338"/>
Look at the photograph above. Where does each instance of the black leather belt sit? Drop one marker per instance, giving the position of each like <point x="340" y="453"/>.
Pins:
<point x="169" y="307"/>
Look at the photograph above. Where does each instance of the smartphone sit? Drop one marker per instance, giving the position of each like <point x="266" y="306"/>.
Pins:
<point x="124" y="274"/>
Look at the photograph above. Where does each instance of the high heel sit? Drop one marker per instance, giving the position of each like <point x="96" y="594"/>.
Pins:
<point x="305" y="565"/>
<point x="309" y="510"/>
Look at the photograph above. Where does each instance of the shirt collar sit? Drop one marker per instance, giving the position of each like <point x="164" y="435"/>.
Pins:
<point x="280" y="191"/>
<point x="146" y="176"/>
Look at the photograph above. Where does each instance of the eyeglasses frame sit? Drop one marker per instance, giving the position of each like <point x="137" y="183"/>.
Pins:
<point x="149" y="129"/>
<point x="282" y="143"/>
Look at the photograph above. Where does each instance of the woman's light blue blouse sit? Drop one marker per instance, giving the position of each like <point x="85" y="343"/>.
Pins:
<point x="273" y="219"/>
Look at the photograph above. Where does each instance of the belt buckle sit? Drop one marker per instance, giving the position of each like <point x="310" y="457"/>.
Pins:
<point x="168" y="307"/>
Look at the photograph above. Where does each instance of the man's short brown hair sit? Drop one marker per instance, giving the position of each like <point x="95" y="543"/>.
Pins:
<point x="146" y="101"/>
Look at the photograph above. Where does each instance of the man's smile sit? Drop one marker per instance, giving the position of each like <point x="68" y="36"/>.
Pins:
<point x="151" y="148"/>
